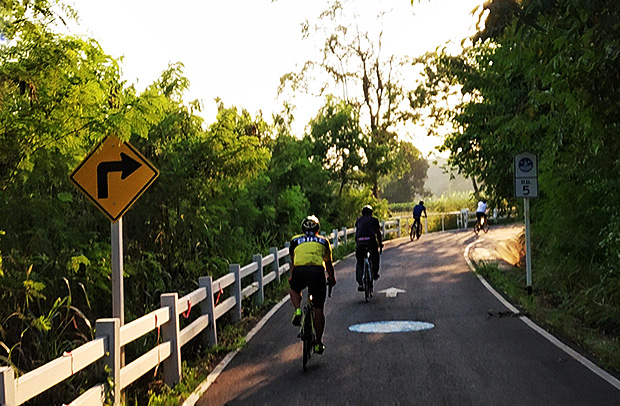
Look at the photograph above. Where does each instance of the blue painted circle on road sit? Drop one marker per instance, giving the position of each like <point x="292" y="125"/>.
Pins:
<point x="391" y="327"/>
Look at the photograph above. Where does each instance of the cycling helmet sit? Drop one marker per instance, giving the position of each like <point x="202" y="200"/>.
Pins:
<point x="310" y="223"/>
<point x="422" y="202"/>
<point x="367" y="210"/>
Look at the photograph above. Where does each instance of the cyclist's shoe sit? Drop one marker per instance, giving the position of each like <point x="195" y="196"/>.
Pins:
<point x="376" y="276"/>
<point x="319" y="348"/>
<point x="297" y="317"/>
<point x="360" y="288"/>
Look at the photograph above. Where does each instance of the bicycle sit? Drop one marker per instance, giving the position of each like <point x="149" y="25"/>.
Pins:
<point x="367" y="280"/>
<point x="481" y="224"/>
<point x="307" y="333"/>
<point x="416" y="229"/>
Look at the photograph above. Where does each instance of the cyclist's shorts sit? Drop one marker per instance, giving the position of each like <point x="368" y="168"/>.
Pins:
<point x="314" y="278"/>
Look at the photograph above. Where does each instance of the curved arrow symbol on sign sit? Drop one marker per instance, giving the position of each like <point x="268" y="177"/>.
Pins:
<point x="127" y="165"/>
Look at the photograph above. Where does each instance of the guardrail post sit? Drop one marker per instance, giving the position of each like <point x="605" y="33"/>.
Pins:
<point x="335" y="233"/>
<point x="383" y="228"/>
<point x="276" y="263"/>
<point x="288" y="257"/>
<point x="425" y="225"/>
<point x="442" y="222"/>
<point x="208" y="307"/>
<point x="344" y="235"/>
<point x="398" y="234"/>
<point x="258" y="277"/>
<point x="235" y="291"/>
<point x="170" y="332"/>
<point x="110" y="330"/>
<point x="7" y="386"/>
<point x="465" y="217"/>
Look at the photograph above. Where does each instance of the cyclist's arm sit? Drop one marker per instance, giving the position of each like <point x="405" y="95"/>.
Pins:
<point x="329" y="267"/>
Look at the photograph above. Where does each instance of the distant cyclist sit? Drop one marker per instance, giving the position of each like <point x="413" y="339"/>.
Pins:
<point x="481" y="211"/>
<point x="418" y="210"/>
<point x="368" y="238"/>
<point x="309" y="251"/>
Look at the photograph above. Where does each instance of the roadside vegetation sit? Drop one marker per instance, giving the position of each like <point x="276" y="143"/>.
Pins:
<point x="597" y="344"/>
<point x="538" y="76"/>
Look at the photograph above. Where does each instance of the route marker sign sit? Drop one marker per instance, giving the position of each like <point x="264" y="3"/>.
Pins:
<point x="526" y="175"/>
<point x="526" y="186"/>
<point x="113" y="176"/>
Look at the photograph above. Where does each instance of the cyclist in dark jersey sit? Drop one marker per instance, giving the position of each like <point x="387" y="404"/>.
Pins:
<point x="311" y="255"/>
<point x="368" y="238"/>
<point x="418" y="210"/>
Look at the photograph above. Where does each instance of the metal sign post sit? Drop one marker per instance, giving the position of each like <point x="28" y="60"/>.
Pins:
<point x="118" y="300"/>
<point x="528" y="246"/>
<point x="526" y="186"/>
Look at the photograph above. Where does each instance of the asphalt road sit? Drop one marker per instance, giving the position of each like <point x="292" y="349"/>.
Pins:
<point x="467" y="358"/>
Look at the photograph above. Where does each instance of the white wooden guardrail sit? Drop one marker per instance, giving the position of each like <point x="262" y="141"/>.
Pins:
<point x="112" y="337"/>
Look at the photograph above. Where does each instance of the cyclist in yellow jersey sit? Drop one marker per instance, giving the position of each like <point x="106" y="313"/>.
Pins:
<point x="311" y="255"/>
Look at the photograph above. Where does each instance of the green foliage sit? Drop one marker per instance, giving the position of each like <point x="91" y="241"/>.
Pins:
<point x="542" y="77"/>
<point x="337" y="138"/>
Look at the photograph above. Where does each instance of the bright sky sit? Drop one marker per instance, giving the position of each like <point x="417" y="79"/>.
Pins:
<point x="237" y="50"/>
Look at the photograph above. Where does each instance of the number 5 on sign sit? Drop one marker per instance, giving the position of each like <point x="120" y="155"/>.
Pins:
<point x="527" y="187"/>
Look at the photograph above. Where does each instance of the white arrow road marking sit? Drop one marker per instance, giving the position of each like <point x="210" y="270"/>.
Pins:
<point x="391" y="292"/>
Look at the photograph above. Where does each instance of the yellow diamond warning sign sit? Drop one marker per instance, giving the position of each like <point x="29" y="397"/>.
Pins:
<point x="113" y="176"/>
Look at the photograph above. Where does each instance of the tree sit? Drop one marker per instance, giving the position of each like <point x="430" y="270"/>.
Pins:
<point x="407" y="182"/>
<point x="352" y="65"/>
<point x="337" y="141"/>
<point x="544" y="78"/>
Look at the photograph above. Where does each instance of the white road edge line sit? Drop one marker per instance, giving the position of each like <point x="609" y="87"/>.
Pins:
<point x="574" y="354"/>
<point x="202" y="388"/>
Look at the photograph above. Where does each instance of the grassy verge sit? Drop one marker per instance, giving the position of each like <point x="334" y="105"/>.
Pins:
<point x="602" y="348"/>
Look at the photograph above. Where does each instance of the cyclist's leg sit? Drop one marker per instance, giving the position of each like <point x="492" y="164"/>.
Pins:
<point x="374" y="260"/>
<point x="360" y="255"/>
<point x="297" y="284"/>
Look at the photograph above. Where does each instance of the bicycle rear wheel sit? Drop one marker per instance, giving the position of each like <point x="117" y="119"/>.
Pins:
<point x="306" y="337"/>
<point x="485" y="227"/>
<point x="367" y="279"/>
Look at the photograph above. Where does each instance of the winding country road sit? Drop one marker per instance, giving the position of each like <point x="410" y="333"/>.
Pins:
<point x="467" y="358"/>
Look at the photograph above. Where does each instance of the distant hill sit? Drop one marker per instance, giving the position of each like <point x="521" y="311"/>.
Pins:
<point x="439" y="181"/>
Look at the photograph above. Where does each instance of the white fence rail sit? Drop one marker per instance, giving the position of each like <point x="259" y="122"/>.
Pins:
<point x="112" y="337"/>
